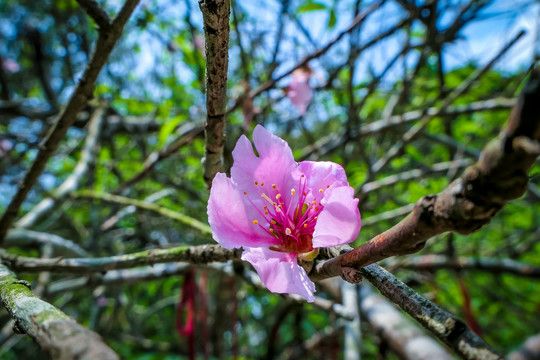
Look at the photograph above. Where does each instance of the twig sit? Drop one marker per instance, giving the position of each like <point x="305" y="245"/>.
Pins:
<point x="469" y="202"/>
<point x="83" y="92"/>
<point x="216" y="15"/>
<point x="436" y="262"/>
<point x="72" y="181"/>
<point x="327" y="143"/>
<point x="23" y="237"/>
<point x="58" y="334"/>
<point x="188" y="220"/>
<point x="449" y="329"/>
<point x="460" y="90"/>
<point x="99" y="15"/>
<point x="201" y="254"/>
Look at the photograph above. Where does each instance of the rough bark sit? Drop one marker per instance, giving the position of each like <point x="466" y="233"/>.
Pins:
<point x="58" y="334"/>
<point x="216" y="15"/>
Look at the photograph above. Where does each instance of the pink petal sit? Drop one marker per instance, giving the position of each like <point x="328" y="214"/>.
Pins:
<point x="339" y="221"/>
<point x="300" y="93"/>
<point x="280" y="272"/>
<point x="231" y="218"/>
<point x="323" y="174"/>
<point x="275" y="164"/>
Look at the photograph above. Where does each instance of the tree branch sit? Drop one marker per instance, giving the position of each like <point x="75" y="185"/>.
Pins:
<point x="58" y="334"/>
<point x="216" y="15"/>
<point x="193" y="254"/>
<point x="467" y="203"/>
<point x="83" y="92"/>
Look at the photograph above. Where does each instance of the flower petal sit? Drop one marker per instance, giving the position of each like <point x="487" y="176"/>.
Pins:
<point x="275" y="163"/>
<point x="322" y="175"/>
<point x="339" y="222"/>
<point x="280" y="272"/>
<point x="231" y="218"/>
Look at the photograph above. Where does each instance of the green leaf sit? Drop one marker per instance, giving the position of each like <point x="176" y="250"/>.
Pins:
<point x="167" y="129"/>
<point x="332" y="19"/>
<point x="311" y="6"/>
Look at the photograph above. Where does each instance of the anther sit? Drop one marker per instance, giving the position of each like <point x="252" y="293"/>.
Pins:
<point x="288" y="231"/>
<point x="262" y="184"/>
<point x="273" y="222"/>
<point x="293" y="192"/>
<point x="321" y="191"/>
<point x="274" y="186"/>
<point x="305" y="225"/>
<point x="245" y="193"/>
<point x="278" y="196"/>
<point x="314" y="202"/>
<point x="256" y="183"/>
<point x="255" y="222"/>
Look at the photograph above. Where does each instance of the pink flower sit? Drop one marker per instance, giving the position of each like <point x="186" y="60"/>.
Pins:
<point x="278" y="209"/>
<point x="299" y="90"/>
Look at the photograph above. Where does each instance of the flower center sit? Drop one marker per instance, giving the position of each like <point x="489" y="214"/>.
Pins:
<point x="291" y="222"/>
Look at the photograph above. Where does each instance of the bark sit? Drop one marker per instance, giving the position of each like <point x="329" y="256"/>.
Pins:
<point x="58" y="334"/>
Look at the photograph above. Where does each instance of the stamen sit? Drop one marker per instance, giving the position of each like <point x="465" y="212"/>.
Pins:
<point x="256" y="183"/>
<point x="262" y="184"/>
<point x="288" y="231"/>
<point x="267" y="198"/>
<point x="273" y="222"/>
<point x="305" y="225"/>
<point x="321" y="191"/>
<point x="245" y="193"/>
<point x="314" y="202"/>
<point x="255" y="222"/>
<point x="278" y="196"/>
<point x="274" y="186"/>
<point x="293" y="192"/>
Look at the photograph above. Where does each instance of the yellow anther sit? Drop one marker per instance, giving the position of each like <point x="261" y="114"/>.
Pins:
<point x="262" y="184"/>
<point x="278" y="196"/>
<point x="273" y="222"/>
<point x="293" y="192"/>
<point x="316" y="217"/>
<point x="256" y="183"/>
<point x="265" y="212"/>
<point x="245" y="193"/>
<point x="327" y="186"/>
<point x="321" y="191"/>
<point x="255" y="222"/>
<point x="314" y="202"/>
<point x="272" y="231"/>
<point x="274" y="186"/>
<point x="288" y="231"/>
<point x="305" y="225"/>
<point x="316" y="208"/>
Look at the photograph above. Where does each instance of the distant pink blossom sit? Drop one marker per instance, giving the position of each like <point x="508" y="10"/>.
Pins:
<point x="299" y="90"/>
<point x="279" y="210"/>
<point x="11" y="65"/>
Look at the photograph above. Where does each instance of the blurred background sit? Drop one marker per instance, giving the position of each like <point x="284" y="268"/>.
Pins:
<point x="365" y="85"/>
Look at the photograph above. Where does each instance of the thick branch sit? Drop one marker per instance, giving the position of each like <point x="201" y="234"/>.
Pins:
<point x="58" y="334"/>
<point x="80" y="97"/>
<point x="216" y="15"/>
<point x="466" y="204"/>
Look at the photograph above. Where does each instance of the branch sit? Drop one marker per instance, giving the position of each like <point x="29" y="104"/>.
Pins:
<point x="469" y="202"/>
<point x="23" y="237"/>
<point x="72" y="181"/>
<point x="201" y="254"/>
<point x="99" y="15"/>
<point x="398" y="331"/>
<point x="216" y="15"/>
<point x="79" y="99"/>
<point x="449" y="329"/>
<point x="437" y="262"/>
<point x="184" y="219"/>
<point x="58" y="334"/>
<point x="331" y="141"/>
